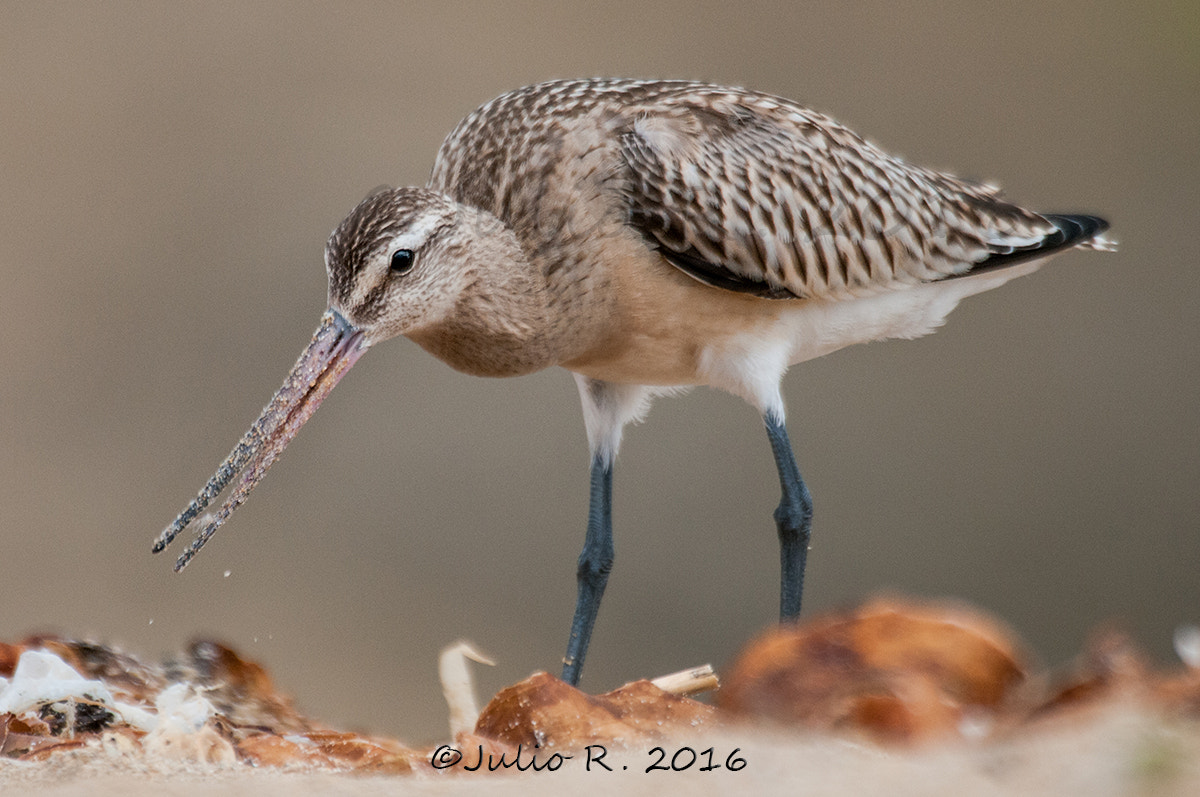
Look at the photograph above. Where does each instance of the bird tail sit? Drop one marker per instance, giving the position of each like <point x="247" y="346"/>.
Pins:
<point x="1084" y="232"/>
<point x="1073" y="230"/>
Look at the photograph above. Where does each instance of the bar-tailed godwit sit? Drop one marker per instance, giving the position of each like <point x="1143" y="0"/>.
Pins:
<point x="647" y="235"/>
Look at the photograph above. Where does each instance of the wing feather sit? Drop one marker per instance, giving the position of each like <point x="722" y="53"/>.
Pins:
<point x="752" y="193"/>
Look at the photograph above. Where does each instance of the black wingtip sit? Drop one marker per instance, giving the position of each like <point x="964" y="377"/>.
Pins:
<point x="1073" y="229"/>
<point x="1076" y="227"/>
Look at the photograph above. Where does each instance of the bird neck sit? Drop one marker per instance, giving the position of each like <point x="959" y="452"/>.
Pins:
<point x="498" y="326"/>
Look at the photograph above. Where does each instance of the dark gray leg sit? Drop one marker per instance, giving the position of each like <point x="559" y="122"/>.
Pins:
<point x="595" y="562"/>
<point x="793" y="518"/>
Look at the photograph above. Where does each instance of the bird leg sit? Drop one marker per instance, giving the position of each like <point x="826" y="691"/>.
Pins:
<point x="793" y="518"/>
<point x="595" y="562"/>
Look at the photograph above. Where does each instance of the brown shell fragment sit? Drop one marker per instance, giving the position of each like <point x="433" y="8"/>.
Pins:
<point x="546" y="712"/>
<point x="1180" y="695"/>
<point x="239" y="688"/>
<point x="122" y="674"/>
<point x="253" y="722"/>
<point x="477" y="747"/>
<point x="8" y="659"/>
<point x="894" y="671"/>
<point x="329" y="750"/>
<point x="1110" y="668"/>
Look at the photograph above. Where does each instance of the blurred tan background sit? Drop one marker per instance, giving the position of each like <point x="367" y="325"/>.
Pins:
<point x="168" y="177"/>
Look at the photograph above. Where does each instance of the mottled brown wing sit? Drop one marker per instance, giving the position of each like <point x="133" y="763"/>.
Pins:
<point x="753" y="194"/>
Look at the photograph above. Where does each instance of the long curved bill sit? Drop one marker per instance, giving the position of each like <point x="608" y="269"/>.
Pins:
<point x="335" y="346"/>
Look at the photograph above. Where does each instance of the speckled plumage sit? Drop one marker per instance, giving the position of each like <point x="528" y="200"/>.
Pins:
<point x="779" y="200"/>
<point x="647" y="235"/>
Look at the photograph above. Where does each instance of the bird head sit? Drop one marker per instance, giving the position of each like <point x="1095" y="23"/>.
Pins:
<point x="399" y="262"/>
<point x="396" y="266"/>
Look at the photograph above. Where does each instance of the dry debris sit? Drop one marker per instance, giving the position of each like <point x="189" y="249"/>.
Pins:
<point x="891" y="672"/>
<point x="894" y="671"/>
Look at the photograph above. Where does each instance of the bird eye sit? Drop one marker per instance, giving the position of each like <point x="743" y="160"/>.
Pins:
<point x="402" y="261"/>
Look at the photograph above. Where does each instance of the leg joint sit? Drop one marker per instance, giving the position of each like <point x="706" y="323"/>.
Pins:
<point x="794" y="514"/>
<point x="594" y="566"/>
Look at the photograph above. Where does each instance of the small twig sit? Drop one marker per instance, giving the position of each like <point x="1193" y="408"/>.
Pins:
<point x="458" y="686"/>
<point x="689" y="682"/>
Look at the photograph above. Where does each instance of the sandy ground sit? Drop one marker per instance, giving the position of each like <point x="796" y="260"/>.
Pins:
<point x="895" y="697"/>
<point x="1117" y="750"/>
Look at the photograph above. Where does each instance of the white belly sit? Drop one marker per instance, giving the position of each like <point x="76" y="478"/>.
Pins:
<point x="750" y="364"/>
<point x="744" y="346"/>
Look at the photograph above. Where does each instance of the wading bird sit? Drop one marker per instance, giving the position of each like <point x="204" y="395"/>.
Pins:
<point x="647" y="235"/>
